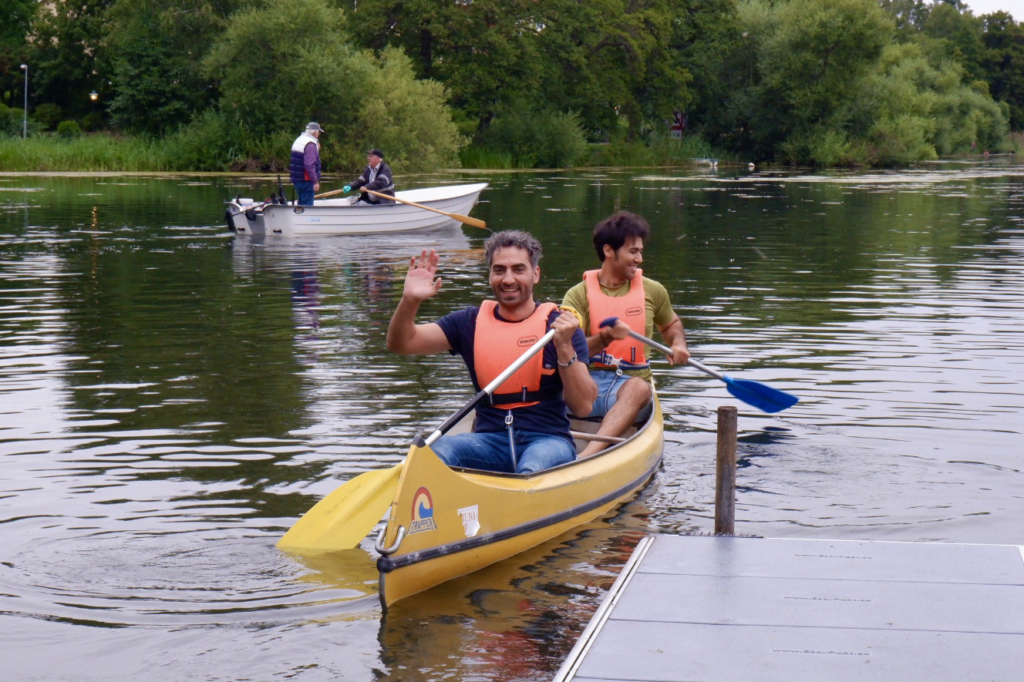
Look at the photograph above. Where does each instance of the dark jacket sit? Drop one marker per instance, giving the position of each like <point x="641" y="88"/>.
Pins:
<point x="383" y="183"/>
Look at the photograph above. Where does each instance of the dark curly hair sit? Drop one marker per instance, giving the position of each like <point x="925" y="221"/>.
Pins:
<point x="518" y="239"/>
<point x="617" y="228"/>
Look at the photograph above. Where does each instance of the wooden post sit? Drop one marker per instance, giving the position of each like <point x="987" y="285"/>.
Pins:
<point x="725" y="472"/>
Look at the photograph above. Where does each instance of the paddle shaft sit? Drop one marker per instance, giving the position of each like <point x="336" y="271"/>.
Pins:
<point x="461" y="218"/>
<point x="328" y="194"/>
<point x="665" y="349"/>
<point x="754" y="393"/>
<point x="491" y="387"/>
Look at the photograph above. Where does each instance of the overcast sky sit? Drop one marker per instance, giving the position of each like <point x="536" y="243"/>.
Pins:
<point x="1014" y="8"/>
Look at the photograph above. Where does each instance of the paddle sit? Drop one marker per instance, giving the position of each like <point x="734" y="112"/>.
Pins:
<point x="764" y="398"/>
<point x="329" y="194"/>
<point x="343" y="518"/>
<point x="461" y="218"/>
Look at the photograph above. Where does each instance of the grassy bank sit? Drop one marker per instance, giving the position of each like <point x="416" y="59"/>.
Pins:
<point x="103" y="152"/>
<point x="109" y="153"/>
<point x="85" y="153"/>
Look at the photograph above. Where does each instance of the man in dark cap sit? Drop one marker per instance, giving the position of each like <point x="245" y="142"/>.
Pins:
<point x="304" y="167"/>
<point x="376" y="176"/>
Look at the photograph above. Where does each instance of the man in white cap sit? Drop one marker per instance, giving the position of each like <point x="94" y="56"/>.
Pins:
<point x="304" y="167"/>
<point x="376" y="176"/>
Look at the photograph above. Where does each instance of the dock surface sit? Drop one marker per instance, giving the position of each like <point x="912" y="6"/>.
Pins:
<point x="756" y="609"/>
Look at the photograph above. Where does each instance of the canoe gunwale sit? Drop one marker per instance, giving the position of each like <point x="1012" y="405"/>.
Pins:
<point x="386" y="564"/>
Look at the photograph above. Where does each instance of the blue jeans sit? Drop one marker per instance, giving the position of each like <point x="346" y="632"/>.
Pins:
<point x="305" y="190"/>
<point x="490" y="451"/>
<point x="608" y="385"/>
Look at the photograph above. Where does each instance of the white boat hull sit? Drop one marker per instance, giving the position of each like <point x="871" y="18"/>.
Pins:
<point x="345" y="217"/>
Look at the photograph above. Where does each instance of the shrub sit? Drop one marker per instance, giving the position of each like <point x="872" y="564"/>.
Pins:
<point x="537" y="138"/>
<point x="68" y="130"/>
<point x="47" y="115"/>
<point x="11" y="121"/>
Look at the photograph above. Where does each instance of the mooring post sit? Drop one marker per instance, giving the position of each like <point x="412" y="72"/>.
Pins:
<point x="725" y="472"/>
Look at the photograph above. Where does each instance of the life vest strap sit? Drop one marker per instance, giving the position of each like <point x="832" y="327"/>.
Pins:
<point x="607" y="360"/>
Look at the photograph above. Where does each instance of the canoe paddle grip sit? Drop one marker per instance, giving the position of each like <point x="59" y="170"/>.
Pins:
<point x="491" y="387"/>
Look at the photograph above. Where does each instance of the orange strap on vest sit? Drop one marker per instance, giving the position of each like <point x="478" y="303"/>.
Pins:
<point x="497" y="344"/>
<point x="631" y="309"/>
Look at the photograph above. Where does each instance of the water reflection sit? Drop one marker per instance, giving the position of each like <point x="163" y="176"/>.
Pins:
<point x="174" y="397"/>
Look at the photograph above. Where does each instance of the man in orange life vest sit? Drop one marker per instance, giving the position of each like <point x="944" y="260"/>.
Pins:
<point x="618" y="289"/>
<point x="525" y="428"/>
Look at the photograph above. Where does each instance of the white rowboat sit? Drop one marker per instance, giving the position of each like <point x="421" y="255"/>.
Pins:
<point x="344" y="216"/>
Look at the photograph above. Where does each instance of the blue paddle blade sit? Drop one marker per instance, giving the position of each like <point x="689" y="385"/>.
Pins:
<point x="764" y="398"/>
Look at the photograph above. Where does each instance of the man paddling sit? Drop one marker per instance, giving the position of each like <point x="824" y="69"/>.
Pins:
<point x="376" y="176"/>
<point x="618" y="289"/>
<point x="524" y="428"/>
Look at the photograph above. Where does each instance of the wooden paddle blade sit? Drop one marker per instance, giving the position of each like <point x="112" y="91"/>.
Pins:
<point x="764" y="398"/>
<point x="343" y="518"/>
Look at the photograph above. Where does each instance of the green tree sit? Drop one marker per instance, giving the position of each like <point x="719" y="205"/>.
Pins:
<point x="397" y="112"/>
<point x="288" y="62"/>
<point x="285" y="63"/>
<point x="609" y="60"/>
<point x="18" y="15"/>
<point x="1003" y="63"/>
<point x="66" y="54"/>
<point x="155" y="48"/>
<point x="948" y="33"/>
<point x="805" y="58"/>
<point x="485" y="52"/>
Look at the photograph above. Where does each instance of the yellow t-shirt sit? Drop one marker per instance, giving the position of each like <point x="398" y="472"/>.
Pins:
<point x="656" y="300"/>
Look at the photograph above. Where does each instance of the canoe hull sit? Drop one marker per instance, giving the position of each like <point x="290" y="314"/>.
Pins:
<point x="459" y="521"/>
<point x="344" y="217"/>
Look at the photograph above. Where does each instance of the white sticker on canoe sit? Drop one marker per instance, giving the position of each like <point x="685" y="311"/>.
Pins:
<point x="470" y="520"/>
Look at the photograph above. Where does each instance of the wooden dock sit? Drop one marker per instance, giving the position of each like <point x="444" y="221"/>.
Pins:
<point x="754" y="609"/>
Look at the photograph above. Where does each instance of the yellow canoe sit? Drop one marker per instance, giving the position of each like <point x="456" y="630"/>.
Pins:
<point x="446" y="522"/>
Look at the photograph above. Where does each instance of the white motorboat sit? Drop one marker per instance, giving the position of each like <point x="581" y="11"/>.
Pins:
<point x="347" y="216"/>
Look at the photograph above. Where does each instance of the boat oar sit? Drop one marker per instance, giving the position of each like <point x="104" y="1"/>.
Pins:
<point x="343" y="518"/>
<point x="764" y="398"/>
<point x="461" y="218"/>
<point x="328" y="194"/>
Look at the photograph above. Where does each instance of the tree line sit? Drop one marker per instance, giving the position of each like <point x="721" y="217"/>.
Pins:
<point x="227" y="84"/>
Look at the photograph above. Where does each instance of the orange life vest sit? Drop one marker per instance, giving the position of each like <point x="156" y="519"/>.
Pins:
<point x="497" y="344"/>
<point x="631" y="309"/>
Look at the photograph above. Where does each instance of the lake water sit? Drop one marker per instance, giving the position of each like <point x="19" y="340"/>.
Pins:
<point x="174" y="397"/>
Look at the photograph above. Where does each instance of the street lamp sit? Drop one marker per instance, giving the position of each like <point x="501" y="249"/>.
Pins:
<point x="93" y="96"/>
<point x="24" y="121"/>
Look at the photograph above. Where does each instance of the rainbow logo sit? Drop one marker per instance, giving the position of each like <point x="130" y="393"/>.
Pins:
<point x="422" y="512"/>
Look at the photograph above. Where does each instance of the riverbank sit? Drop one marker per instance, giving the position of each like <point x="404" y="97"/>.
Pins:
<point x="102" y="152"/>
<point x="105" y="153"/>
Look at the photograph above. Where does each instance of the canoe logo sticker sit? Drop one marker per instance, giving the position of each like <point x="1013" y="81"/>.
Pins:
<point x="527" y="340"/>
<point x="422" y="512"/>
<point x="634" y="311"/>
<point x="470" y="520"/>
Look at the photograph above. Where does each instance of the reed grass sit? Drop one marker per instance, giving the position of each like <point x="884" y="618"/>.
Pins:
<point x="99" y="152"/>
<point x="103" y="152"/>
<point x="483" y="158"/>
